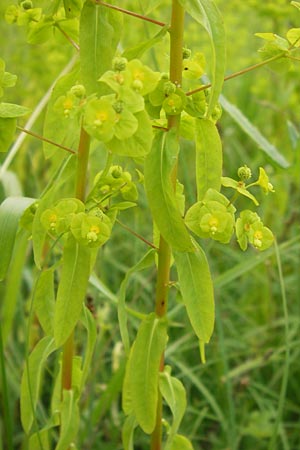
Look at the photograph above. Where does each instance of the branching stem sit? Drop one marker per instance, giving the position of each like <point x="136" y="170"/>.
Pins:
<point x="130" y="13"/>
<point x="136" y="234"/>
<point x="41" y="138"/>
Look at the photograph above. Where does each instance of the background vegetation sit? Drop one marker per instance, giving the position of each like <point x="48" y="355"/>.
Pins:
<point x="250" y="380"/>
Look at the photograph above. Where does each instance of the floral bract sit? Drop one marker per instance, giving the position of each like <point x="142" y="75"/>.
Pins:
<point x="57" y="220"/>
<point x="250" y="229"/>
<point x="91" y="230"/>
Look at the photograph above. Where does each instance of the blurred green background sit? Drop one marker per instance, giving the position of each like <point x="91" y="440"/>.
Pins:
<point x="251" y="378"/>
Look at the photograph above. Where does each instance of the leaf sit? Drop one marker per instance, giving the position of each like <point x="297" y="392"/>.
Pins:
<point x="138" y="50"/>
<point x="162" y="199"/>
<point x="44" y="300"/>
<point x="127" y="432"/>
<point x="293" y="36"/>
<point x="7" y="133"/>
<point x="38" y="438"/>
<point x="197" y="291"/>
<point x="207" y="14"/>
<point x="31" y="380"/>
<point x="72" y="8"/>
<point x="173" y="392"/>
<point x="146" y="261"/>
<point x="90" y="325"/>
<point x="143" y="370"/>
<point x="57" y="127"/>
<point x="12" y="283"/>
<point x="11" y="111"/>
<point x="69" y="422"/>
<point x="209" y="157"/>
<point x="244" y="123"/>
<point x="100" y="31"/>
<point x="139" y="144"/>
<point x="10" y="212"/>
<point x="71" y="289"/>
<point x="181" y="443"/>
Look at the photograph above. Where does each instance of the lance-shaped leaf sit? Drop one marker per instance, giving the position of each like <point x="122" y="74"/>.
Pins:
<point x="100" y="30"/>
<point x="7" y="133"/>
<point x="10" y="212"/>
<point x="207" y="14"/>
<point x="138" y="50"/>
<point x="90" y="325"/>
<point x="11" y="111"/>
<point x="197" y="291"/>
<point x="208" y="157"/>
<point x="146" y="261"/>
<point x="71" y="289"/>
<point x="127" y="432"/>
<point x="161" y="196"/>
<point x="69" y="421"/>
<point x="143" y="371"/>
<point x="31" y="380"/>
<point x="181" y="443"/>
<point x="174" y="394"/>
<point x="44" y="300"/>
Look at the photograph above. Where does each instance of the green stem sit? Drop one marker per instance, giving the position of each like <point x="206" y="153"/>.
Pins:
<point x="5" y="397"/>
<point x="80" y="190"/>
<point x="240" y="72"/>
<point x="164" y="251"/>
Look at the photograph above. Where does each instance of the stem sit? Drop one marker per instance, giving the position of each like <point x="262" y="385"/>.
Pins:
<point x="5" y="397"/>
<point x="240" y="72"/>
<point x="136" y="234"/>
<point x="41" y="138"/>
<point x="130" y="13"/>
<point x="80" y="188"/>
<point x="164" y="251"/>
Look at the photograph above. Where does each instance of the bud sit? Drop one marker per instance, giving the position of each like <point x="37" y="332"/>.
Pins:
<point x="119" y="63"/>
<point x="169" y="88"/>
<point x="78" y="90"/>
<point x="118" y="106"/>
<point x="186" y="53"/>
<point x="116" y="171"/>
<point x="27" y="4"/>
<point x="137" y="85"/>
<point x="244" y="173"/>
<point x="164" y="76"/>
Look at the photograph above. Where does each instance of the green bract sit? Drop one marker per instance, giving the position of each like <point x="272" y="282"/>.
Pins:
<point x="263" y="181"/>
<point x="213" y="217"/>
<point x="249" y="228"/>
<point x="57" y="220"/>
<point x="91" y="230"/>
<point x="6" y="79"/>
<point x="193" y="68"/>
<point x="100" y="118"/>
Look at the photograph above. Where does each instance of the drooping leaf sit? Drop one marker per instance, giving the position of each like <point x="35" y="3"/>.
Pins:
<point x="207" y="14"/>
<point x="244" y="123"/>
<point x="12" y="283"/>
<point x="10" y="212"/>
<point x="90" y="325"/>
<point x="100" y="31"/>
<point x="31" y="380"/>
<point x="143" y="370"/>
<point x="162" y="199"/>
<point x="146" y="261"/>
<point x="208" y="157"/>
<point x="174" y="394"/>
<point x="69" y="422"/>
<point x="71" y="290"/>
<point x="127" y="432"/>
<point x="138" y="50"/>
<point x="57" y="127"/>
<point x="7" y="133"/>
<point x="197" y="291"/>
<point x="44" y="300"/>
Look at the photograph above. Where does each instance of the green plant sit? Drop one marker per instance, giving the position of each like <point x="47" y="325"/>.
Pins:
<point x="124" y="109"/>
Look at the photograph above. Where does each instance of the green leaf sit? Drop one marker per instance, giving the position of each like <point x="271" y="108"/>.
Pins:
<point x="58" y="128"/>
<point x="69" y="422"/>
<point x="38" y="438"/>
<point x="7" y="133"/>
<point x="13" y="283"/>
<point x="31" y="380"/>
<point x="138" y="50"/>
<point x="173" y="392"/>
<point x="146" y="261"/>
<point x="71" y="289"/>
<point x="181" y="443"/>
<point x="100" y="30"/>
<point x="143" y="370"/>
<point x="197" y="291"/>
<point x="11" y="111"/>
<point x="44" y="300"/>
<point x="127" y="432"/>
<point x="162" y="200"/>
<point x="209" y="157"/>
<point x="139" y="144"/>
<point x="90" y="325"/>
<point x="244" y="123"/>
<point x="10" y="212"/>
<point x="72" y="8"/>
<point x="207" y="14"/>
<point x="293" y="36"/>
